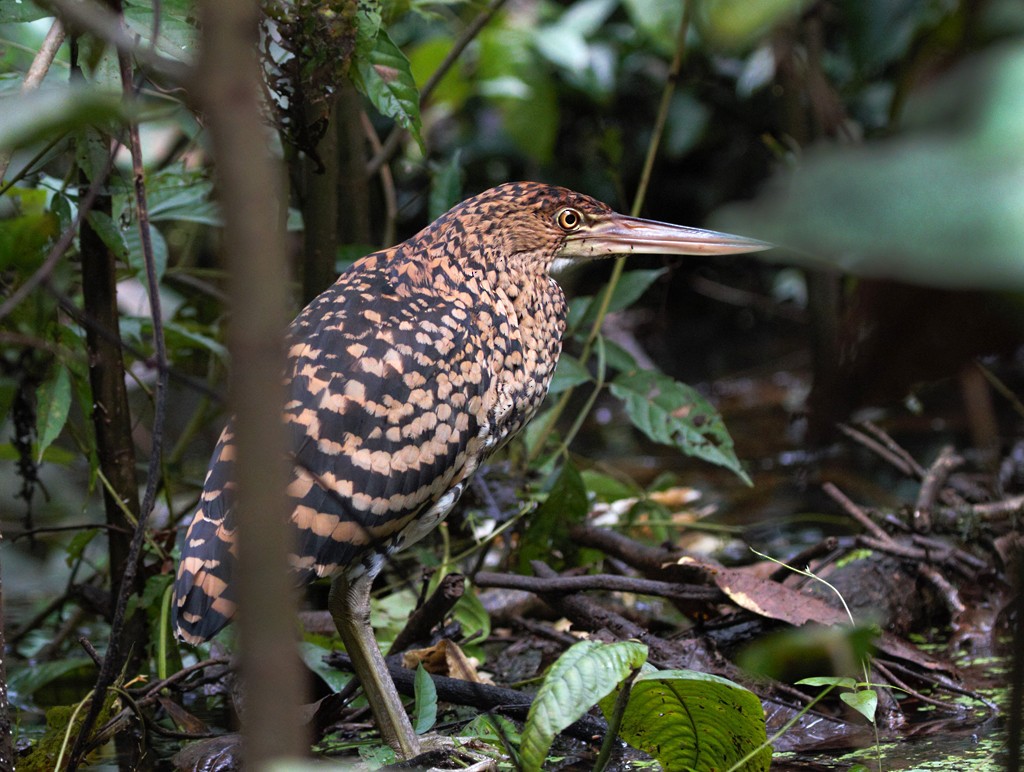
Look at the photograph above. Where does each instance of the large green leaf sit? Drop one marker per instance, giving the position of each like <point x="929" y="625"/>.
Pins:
<point x="675" y="414"/>
<point x="584" y="674"/>
<point x="569" y="374"/>
<point x="384" y="77"/>
<point x="425" y="708"/>
<point x="52" y="410"/>
<point x="694" y="721"/>
<point x="26" y="228"/>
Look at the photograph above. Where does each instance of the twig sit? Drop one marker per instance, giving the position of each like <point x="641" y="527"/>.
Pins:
<point x="432" y="612"/>
<point x="476" y="695"/>
<point x="588" y="615"/>
<point x="948" y="592"/>
<point x="891" y="678"/>
<point x="931" y="485"/>
<point x="895" y="447"/>
<point x="858" y="514"/>
<point x="608" y="582"/>
<point x="387" y="182"/>
<point x="882" y="449"/>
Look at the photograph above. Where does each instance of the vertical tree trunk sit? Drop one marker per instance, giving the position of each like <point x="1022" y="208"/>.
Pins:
<point x="250" y="183"/>
<point x="320" y="215"/>
<point x="353" y="185"/>
<point x="111" y="417"/>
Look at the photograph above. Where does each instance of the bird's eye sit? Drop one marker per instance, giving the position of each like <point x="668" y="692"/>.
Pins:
<point x="569" y="219"/>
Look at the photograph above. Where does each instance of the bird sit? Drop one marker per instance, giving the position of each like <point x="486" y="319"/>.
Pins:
<point x="415" y="366"/>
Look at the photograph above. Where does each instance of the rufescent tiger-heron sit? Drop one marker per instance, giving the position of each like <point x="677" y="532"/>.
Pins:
<point x="418" y="363"/>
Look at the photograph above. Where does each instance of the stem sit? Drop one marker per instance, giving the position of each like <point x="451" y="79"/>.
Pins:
<point x="638" y="202"/>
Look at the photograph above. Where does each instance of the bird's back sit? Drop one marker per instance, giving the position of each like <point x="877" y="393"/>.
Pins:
<point x="389" y="408"/>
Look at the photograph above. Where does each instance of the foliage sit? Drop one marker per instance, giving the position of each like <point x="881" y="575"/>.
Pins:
<point x="566" y="91"/>
<point x="699" y="721"/>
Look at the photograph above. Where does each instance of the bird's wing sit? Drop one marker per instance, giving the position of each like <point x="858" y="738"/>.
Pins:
<point x="387" y="410"/>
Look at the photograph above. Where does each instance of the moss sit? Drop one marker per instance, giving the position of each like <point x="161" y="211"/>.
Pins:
<point x="43" y="755"/>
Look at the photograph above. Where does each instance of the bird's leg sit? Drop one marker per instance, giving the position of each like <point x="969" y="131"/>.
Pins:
<point x="349" y="604"/>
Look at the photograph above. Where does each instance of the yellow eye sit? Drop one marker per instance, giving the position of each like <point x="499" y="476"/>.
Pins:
<point x="569" y="219"/>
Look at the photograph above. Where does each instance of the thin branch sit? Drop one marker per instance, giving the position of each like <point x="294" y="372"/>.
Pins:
<point x="858" y="514"/>
<point x="384" y="153"/>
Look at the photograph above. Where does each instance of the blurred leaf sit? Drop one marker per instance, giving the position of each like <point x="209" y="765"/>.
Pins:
<point x="26" y="228"/>
<point x="737" y="24"/>
<point x="694" y="721"/>
<point x="25" y="681"/>
<point x="617" y="358"/>
<point x="110" y="234"/>
<point x="585" y="673"/>
<point x="182" y="195"/>
<point x="548" y="526"/>
<point x="425" y="58"/>
<point x="384" y="77"/>
<point x="936" y="206"/>
<point x="53" y="407"/>
<point x="425" y="709"/>
<point x="658" y="20"/>
<point x="137" y="259"/>
<point x="569" y="373"/>
<point x="687" y="120"/>
<point x="21" y="11"/>
<point x="76" y="547"/>
<point x="178" y="26"/>
<point x="445" y="186"/>
<point x="182" y="335"/>
<point x="882" y="31"/>
<point x="607" y="488"/>
<point x="632" y="285"/>
<point x="676" y="414"/>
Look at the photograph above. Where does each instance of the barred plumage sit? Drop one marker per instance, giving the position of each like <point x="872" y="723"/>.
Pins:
<point x="403" y="376"/>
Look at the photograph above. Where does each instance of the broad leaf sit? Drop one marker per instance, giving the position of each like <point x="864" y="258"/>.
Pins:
<point x="384" y="77"/>
<point x="569" y="374"/>
<point x="108" y="231"/>
<point x="53" y="407"/>
<point x="23" y="682"/>
<point x="585" y="673"/>
<point x="694" y="721"/>
<point x="425" y="709"/>
<point x="676" y="414"/>
<point x="632" y="285"/>
<point x="445" y="186"/>
<point x="136" y="257"/>
<point x="864" y="701"/>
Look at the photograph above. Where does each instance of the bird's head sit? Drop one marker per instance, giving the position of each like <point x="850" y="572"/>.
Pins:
<point x="547" y="227"/>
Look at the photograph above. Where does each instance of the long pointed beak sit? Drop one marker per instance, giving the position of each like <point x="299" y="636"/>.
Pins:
<point x="618" y="234"/>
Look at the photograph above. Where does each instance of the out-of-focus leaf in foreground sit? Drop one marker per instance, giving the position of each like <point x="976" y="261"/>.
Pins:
<point x="38" y="115"/>
<point x="941" y="204"/>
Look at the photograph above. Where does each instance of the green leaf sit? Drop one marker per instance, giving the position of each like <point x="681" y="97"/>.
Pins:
<point x="425" y="709"/>
<point x="178" y="26"/>
<point x="472" y="617"/>
<point x="182" y="195"/>
<point x="676" y="414"/>
<point x="26" y="228"/>
<point x="694" y="721"/>
<point x="864" y="701"/>
<point x="842" y="682"/>
<point x="53" y="407"/>
<point x="445" y="186"/>
<point x="584" y="674"/>
<point x="14" y="11"/>
<point x="24" y="682"/>
<point x="108" y="231"/>
<point x="313" y="655"/>
<point x="629" y="289"/>
<point x="569" y="374"/>
<point x="31" y="118"/>
<point x="135" y="256"/>
<point x="548" y="527"/>
<point x="384" y="77"/>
